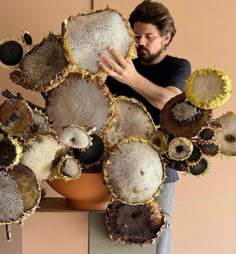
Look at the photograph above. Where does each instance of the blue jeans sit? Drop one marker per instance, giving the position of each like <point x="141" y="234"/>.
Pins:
<point x="166" y="199"/>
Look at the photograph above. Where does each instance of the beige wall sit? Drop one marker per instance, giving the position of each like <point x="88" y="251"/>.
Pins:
<point x="204" y="216"/>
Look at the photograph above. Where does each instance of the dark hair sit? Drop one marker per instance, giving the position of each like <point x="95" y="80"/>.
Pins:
<point x="156" y="14"/>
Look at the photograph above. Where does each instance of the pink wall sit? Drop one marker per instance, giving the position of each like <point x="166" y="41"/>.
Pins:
<point x="204" y="216"/>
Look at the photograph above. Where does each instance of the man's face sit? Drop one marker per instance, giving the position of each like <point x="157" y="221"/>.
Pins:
<point x="150" y="44"/>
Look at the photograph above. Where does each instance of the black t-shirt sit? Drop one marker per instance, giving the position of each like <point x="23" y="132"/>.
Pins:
<point x="171" y="71"/>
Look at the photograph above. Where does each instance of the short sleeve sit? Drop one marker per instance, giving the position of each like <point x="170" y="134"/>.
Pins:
<point x="181" y="74"/>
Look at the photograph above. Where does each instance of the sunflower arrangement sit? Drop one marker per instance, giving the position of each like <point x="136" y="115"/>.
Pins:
<point x="83" y="126"/>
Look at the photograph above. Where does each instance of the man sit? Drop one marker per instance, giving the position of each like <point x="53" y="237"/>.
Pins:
<point x="153" y="78"/>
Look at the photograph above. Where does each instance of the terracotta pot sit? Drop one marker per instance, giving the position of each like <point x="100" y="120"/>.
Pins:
<point x="86" y="193"/>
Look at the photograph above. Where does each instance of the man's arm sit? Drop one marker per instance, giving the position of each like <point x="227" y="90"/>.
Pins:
<point x="125" y="72"/>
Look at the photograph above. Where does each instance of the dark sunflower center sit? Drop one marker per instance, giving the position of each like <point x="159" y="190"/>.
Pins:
<point x="91" y="154"/>
<point x="157" y="141"/>
<point x="207" y="134"/>
<point x="179" y="149"/>
<point x="7" y="152"/>
<point x="230" y="138"/>
<point x="11" y="53"/>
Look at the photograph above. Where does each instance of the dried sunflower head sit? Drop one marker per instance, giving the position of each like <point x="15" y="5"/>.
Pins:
<point x="15" y="116"/>
<point x="41" y="154"/>
<point x="26" y="38"/>
<point x="10" y="151"/>
<point x="131" y="119"/>
<point x="181" y="118"/>
<point x="19" y="194"/>
<point x="209" y="148"/>
<point x="180" y="148"/>
<point x="11" y="52"/>
<point x="226" y="135"/>
<point x="68" y="168"/>
<point x="195" y="156"/>
<point x="86" y="36"/>
<point x="44" y="67"/>
<point x="174" y="164"/>
<point x="27" y="186"/>
<point x="160" y="140"/>
<point x="11" y="203"/>
<point x="93" y="154"/>
<point x="75" y="137"/>
<point x="39" y="125"/>
<point x="206" y="133"/>
<point x="201" y="168"/>
<point x="134" y="171"/>
<point x="134" y="224"/>
<point x="81" y="102"/>
<point x="208" y="88"/>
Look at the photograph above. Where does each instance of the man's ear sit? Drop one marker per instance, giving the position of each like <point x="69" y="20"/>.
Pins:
<point x="166" y="38"/>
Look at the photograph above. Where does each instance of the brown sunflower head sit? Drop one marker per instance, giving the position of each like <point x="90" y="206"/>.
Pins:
<point x="134" y="224"/>
<point x="181" y="118"/>
<point x="44" y="67"/>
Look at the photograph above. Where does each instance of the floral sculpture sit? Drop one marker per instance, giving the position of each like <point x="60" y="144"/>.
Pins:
<point x="83" y="126"/>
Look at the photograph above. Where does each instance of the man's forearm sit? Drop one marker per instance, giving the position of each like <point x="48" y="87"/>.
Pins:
<point x="156" y="95"/>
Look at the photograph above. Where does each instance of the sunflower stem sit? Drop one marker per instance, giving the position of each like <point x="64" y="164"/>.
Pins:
<point x="19" y="96"/>
<point x="8" y="232"/>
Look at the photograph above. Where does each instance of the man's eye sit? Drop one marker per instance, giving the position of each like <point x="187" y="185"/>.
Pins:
<point x="149" y="37"/>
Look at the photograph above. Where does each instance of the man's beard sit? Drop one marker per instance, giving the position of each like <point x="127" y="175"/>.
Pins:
<point x="145" y="56"/>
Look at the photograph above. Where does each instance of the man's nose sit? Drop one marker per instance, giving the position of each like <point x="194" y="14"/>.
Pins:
<point x="141" y="40"/>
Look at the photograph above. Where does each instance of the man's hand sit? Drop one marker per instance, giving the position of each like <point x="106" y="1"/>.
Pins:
<point x="120" y="69"/>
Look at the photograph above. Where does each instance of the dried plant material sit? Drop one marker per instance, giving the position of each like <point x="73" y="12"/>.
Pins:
<point x="26" y="38"/>
<point x="10" y="151"/>
<point x="131" y="119"/>
<point x="209" y="148"/>
<point x="93" y="154"/>
<point x="27" y="186"/>
<point x="11" y="204"/>
<point x="180" y="148"/>
<point x="195" y="156"/>
<point x="15" y="116"/>
<point x="174" y="164"/>
<point x="81" y="102"/>
<point x="44" y="67"/>
<point x="180" y="118"/>
<point x="86" y="36"/>
<point x="134" y="224"/>
<point x="68" y="168"/>
<point x="39" y="125"/>
<point x="160" y="140"/>
<point x="11" y="52"/>
<point x="134" y="171"/>
<point x="75" y="137"/>
<point x="200" y="169"/>
<point x="214" y="125"/>
<point x="41" y="154"/>
<point x="207" y="133"/>
<point x="226" y="135"/>
<point x="96" y="167"/>
<point x="208" y="88"/>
